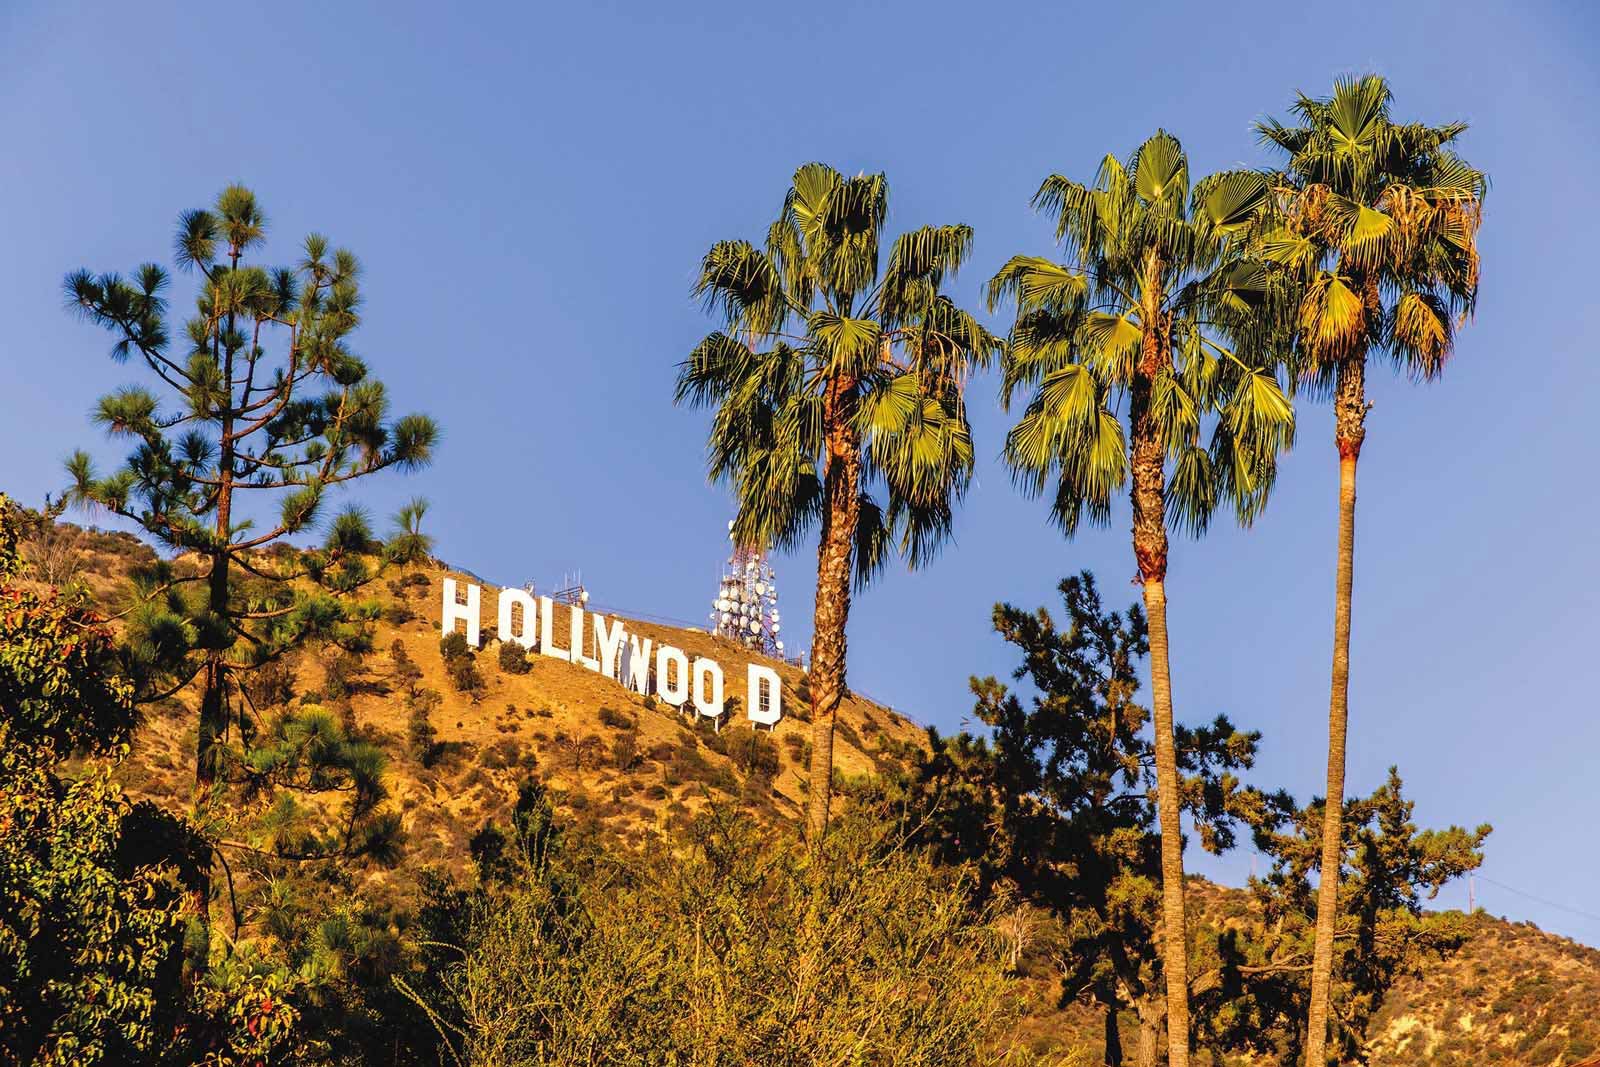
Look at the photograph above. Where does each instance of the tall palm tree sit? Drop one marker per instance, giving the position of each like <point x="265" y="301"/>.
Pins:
<point x="832" y="379"/>
<point x="1378" y="224"/>
<point x="1158" y="307"/>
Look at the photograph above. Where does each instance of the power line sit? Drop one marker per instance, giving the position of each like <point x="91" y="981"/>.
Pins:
<point x="1541" y="900"/>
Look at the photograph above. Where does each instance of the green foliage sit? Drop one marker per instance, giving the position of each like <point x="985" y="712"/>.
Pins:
<point x="308" y="751"/>
<point x="625" y="751"/>
<point x="799" y="747"/>
<point x="272" y="686"/>
<point x="398" y="614"/>
<point x="1162" y="299"/>
<point x="514" y="658"/>
<point x="822" y="339"/>
<point x="61" y="685"/>
<point x="1378" y="227"/>
<point x="1059" y="808"/>
<point x="1392" y="868"/>
<point x="421" y="737"/>
<point x="91" y="931"/>
<point x="617" y="720"/>
<point x="453" y="646"/>
<point x="91" y="888"/>
<point x="257" y="408"/>
<point x="754" y="753"/>
<point x="406" y="671"/>
<point x="464" y="676"/>
<point x="339" y="675"/>
<point x="256" y="391"/>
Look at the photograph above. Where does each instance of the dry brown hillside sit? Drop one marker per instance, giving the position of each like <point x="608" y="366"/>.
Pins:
<point x="625" y="761"/>
<point x="625" y="764"/>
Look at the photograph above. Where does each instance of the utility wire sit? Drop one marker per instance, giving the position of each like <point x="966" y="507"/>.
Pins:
<point x="1540" y="900"/>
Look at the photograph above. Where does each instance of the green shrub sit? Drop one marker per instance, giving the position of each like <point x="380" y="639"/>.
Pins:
<point x="625" y="750"/>
<point x="453" y="645"/>
<point x="406" y="671"/>
<point x="799" y="746"/>
<point x="848" y="733"/>
<point x="714" y="739"/>
<point x="617" y="720"/>
<point x="339" y="677"/>
<point x="464" y="676"/>
<point x="753" y="752"/>
<point x="421" y="738"/>
<point x="271" y="685"/>
<point x="514" y="658"/>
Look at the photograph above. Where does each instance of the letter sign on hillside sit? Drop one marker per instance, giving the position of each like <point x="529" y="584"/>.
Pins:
<point x="508" y="599"/>
<point x="672" y="675"/>
<point x="547" y="631"/>
<point x="467" y="613"/>
<point x="708" y="698"/>
<point x="632" y="660"/>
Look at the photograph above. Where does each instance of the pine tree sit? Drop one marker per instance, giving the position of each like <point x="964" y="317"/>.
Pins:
<point x="265" y="406"/>
<point x="1059" y="805"/>
<point x="1390" y="869"/>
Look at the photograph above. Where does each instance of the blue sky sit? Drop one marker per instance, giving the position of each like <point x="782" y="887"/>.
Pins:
<point x="530" y="188"/>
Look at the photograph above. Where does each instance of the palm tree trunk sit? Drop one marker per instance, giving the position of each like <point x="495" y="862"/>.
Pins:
<point x="1150" y="549"/>
<point x="835" y="560"/>
<point x="1174" y="917"/>
<point x="1350" y="410"/>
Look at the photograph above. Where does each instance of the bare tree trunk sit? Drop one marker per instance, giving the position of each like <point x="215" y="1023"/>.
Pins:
<point x="1150" y="549"/>
<point x="1113" y="1037"/>
<point x="1350" y="410"/>
<point x="1151" y="1018"/>
<point x="835" y="560"/>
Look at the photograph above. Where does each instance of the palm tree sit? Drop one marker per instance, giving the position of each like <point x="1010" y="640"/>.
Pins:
<point x="1160" y="307"/>
<point x="1378" y="225"/>
<point x="830" y="380"/>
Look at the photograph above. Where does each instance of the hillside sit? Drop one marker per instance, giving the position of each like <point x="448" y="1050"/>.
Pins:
<point x="626" y="762"/>
<point x="626" y="765"/>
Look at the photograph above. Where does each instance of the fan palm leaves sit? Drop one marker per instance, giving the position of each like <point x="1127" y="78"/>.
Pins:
<point x="1376" y="223"/>
<point x="837" y="391"/>
<point x="1148" y="360"/>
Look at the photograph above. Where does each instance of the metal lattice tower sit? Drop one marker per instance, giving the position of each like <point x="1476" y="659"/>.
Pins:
<point x="746" y="606"/>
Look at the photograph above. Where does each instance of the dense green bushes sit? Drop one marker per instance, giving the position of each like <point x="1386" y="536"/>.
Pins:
<point x="514" y="658"/>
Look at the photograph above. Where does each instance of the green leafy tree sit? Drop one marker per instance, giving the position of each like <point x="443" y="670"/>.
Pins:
<point x="1378" y="226"/>
<point x="1389" y="870"/>
<point x="1159" y="306"/>
<point x="91" y="887"/>
<point x="266" y="404"/>
<point x="837" y="375"/>
<point x="1059" y="805"/>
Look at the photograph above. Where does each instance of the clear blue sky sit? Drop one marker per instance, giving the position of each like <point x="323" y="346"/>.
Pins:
<point x="530" y="188"/>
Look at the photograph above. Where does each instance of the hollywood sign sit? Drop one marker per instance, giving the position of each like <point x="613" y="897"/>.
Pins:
<point x="631" y="660"/>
